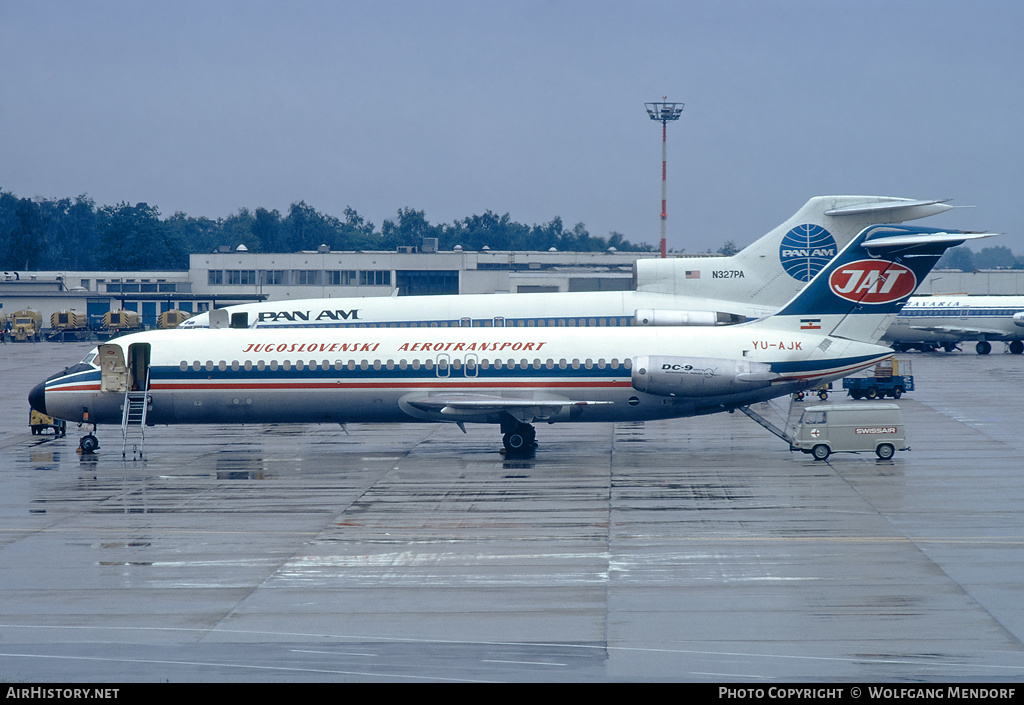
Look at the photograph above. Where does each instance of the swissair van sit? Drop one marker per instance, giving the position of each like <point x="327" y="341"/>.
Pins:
<point x="850" y="428"/>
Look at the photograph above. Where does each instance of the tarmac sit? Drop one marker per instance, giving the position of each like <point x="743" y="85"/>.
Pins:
<point x="693" y="550"/>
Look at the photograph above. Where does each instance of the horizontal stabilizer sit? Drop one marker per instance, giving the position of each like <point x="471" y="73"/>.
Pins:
<point x="883" y="206"/>
<point x="917" y="240"/>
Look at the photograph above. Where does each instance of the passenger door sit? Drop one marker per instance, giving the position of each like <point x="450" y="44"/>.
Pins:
<point x="113" y="371"/>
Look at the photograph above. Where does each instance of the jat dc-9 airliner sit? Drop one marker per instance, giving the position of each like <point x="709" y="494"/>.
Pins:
<point x="509" y="377"/>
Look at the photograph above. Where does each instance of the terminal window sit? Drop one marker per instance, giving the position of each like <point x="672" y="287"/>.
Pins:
<point x="412" y="282"/>
<point x="342" y="277"/>
<point x="375" y="277"/>
<point x="305" y="277"/>
<point x="241" y="276"/>
<point x="274" y="276"/>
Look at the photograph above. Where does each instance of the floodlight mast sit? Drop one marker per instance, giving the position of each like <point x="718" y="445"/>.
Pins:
<point x="664" y="113"/>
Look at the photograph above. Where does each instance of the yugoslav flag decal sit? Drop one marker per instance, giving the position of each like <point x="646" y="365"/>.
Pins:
<point x="870" y="281"/>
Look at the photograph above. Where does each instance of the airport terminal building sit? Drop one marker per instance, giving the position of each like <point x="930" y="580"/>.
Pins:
<point x="229" y="277"/>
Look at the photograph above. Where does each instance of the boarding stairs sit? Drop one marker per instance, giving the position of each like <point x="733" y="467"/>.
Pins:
<point x="784" y="432"/>
<point x="133" y="420"/>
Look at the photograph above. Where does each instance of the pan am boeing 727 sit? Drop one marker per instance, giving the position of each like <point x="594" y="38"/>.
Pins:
<point x="511" y="377"/>
<point x="690" y="291"/>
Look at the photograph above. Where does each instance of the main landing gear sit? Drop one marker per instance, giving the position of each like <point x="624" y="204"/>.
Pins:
<point x="518" y="438"/>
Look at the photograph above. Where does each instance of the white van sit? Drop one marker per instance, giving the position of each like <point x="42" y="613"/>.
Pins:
<point x="850" y="428"/>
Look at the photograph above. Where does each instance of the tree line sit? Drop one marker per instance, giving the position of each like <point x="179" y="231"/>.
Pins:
<point x="967" y="260"/>
<point x="76" y="234"/>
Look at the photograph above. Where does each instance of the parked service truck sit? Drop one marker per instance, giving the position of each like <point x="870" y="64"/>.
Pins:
<point x="120" y="322"/>
<point x="68" y="325"/>
<point x="850" y="428"/>
<point x="889" y="378"/>
<point x="39" y="422"/>
<point x="26" y="325"/>
<point x="172" y="318"/>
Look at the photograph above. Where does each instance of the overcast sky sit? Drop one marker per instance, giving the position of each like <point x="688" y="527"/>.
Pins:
<point x="533" y="108"/>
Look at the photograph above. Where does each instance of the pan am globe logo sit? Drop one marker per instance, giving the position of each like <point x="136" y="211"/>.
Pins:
<point x="805" y="250"/>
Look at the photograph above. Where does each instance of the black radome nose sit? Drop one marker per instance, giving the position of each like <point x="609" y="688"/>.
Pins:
<point x="37" y="398"/>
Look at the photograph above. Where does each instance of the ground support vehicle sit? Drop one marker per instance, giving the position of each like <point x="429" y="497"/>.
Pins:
<point x="821" y="390"/>
<point x="172" y="318"/>
<point x="25" y="326"/>
<point x="890" y="378"/>
<point x="69" y="325"/>
<point x="41" y="422"/>
<point x="850" y="428"/>
<point x="117" y="323"/>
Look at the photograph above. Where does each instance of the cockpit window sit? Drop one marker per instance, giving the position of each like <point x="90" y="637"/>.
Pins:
<point x="87" y="360"/>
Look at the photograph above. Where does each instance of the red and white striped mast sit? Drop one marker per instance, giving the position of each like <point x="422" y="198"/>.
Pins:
<point x="664" y="113"/>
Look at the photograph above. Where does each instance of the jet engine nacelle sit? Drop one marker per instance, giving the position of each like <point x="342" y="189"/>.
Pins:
<point x="698" y="376"/>
<point x="673" y="317"/>
<point x="669" y="317"/>
<point x="1018" y="319"/>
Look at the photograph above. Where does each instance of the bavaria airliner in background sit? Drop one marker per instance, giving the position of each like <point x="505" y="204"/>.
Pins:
<point x="930" y="322"/>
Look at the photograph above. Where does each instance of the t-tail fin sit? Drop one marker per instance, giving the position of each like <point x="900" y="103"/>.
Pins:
<point x="857" y="295"/>
<point x="776" y="266"/>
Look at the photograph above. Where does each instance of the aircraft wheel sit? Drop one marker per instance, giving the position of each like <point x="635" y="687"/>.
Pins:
<point x="984" y="347"/>
<point x="514" y="442"/>
<point x="823" y="395"/>
<point x="522" y="439"/>
<point x="885" y="451"/>
<point x="1016" y="347"/>
<point x="821" y="452"/>
<point x="89" y="444"/>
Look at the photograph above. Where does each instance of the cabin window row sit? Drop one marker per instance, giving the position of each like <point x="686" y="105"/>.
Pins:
<point x="956" y="312"/>
<point x="298" y="277"/>
<point x="582" y="322"/>
<point x="415" y="364"/>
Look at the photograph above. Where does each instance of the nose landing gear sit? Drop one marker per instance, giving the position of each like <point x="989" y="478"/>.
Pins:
<point x="89" y="444"/>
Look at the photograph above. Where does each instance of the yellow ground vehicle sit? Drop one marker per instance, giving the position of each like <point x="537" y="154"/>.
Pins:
<point x="68" y="325"/>
<point x="172" y="318"/>
<point x="26" y="325"/>
<point x="119" y="322"/>
<point x="40" y="422"/>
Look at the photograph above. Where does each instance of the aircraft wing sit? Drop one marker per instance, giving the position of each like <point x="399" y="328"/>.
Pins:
<point x="458" y="407"/>
<point x="960" y="330"/>
<point x="454" y="403"/>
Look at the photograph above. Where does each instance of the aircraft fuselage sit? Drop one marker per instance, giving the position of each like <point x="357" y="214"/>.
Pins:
<point x="445" y="374"/>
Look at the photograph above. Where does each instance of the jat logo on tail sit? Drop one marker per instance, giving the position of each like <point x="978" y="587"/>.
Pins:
<point x="805" y="250"/>
<point x="870" y="281"/>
